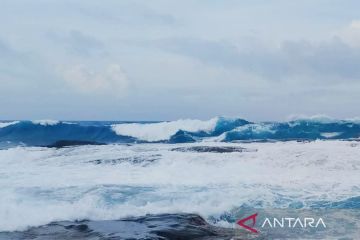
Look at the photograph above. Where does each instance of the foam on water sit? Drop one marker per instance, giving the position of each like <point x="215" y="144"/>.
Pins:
<point x="46" y="122"/>
<point x="256" y="128"/>
<point x="330" y="134"/>
<point x="321" y="118"/>
<point x="163" y="130"/>
<point x="39" y="185"/>
<point x="6" y="124"/>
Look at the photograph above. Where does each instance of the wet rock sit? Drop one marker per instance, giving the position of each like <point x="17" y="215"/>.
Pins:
<point x="214" y="149"/>
<point x="157" y="227"/>
<point x="68" y="143"/>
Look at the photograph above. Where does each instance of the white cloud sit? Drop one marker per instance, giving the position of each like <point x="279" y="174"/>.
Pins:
<point x="351" y="34"/>
<point x="110" y="79"/>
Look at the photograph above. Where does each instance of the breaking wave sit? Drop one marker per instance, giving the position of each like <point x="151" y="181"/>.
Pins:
<point x="164" y="130"/>
<point x="49" y="132"/>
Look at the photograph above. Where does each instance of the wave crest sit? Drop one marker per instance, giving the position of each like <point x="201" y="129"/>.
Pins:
<point x="152" y="132"/>
<point x="48" y="132"/>
<point x="6" y="124"/>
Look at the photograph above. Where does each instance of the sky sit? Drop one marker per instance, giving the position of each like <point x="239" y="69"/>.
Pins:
<point x="165" y="60"/>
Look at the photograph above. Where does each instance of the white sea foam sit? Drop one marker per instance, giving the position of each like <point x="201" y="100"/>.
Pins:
<point x="6" y="124"/>
<point x="330" y="134"/>
<point x="353" y="120"/>
<point x="163" y="130"/>
<point x="45" y="122"/>
<point x="255" y="128"/>
<point x="322" y="118"/>
<point x="40" y="185"/>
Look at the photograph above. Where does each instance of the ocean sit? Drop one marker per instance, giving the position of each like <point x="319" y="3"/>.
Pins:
<point x="183" y="179"/>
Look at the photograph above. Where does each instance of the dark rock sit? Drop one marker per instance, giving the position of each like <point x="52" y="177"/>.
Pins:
<point x="214" y="149"/>
<point x="159" y="227"/>
<point x="133" y="160"/>
<point x="68" y="143"/>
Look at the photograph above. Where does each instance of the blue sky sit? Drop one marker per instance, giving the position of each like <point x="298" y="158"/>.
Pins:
<point x="164" y="60"/>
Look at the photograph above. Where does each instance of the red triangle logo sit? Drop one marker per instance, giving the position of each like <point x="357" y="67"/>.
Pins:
<point x="242" y="222"/>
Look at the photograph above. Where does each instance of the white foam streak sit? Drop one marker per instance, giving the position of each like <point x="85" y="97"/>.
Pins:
<point x="330" y="134"/>
<point x="6" y="124"/>
<point x="322" y="118"/>
<point x="46" y="122"/>
<point x="163" y="130"/>
<point x="255" y="128"/>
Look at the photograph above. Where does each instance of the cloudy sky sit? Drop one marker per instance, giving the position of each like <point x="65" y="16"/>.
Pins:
<point x="165" y="60"/>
